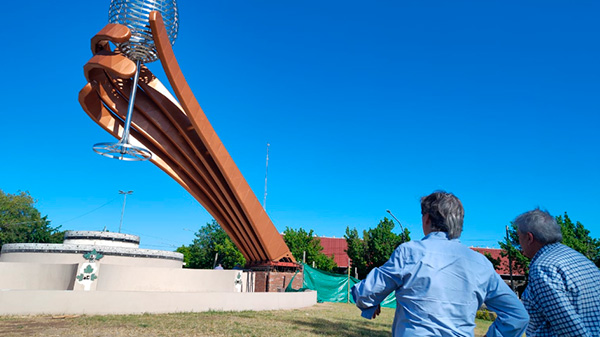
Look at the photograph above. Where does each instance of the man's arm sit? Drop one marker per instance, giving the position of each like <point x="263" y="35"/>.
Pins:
<point x="512" y="317"/>
<point x="380" y="282"/>
<point x="552" y="298"/>
<point x="536" y="314"/>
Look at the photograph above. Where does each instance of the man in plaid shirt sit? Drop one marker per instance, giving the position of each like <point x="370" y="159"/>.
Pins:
<point x="563" y="293"/>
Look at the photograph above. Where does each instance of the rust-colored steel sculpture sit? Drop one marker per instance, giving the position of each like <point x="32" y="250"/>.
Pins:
<point x="183" y="143"/>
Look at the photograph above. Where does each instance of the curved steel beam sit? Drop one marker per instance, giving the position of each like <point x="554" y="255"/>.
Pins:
<point x="183" y="143"/>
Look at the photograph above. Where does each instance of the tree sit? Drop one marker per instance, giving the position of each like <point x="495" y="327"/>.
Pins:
<point x="300" y="242"/>
<point x="574" y="236"/>
<point x="375" y="247"/>
<point x="187" y="252"/>
<point x="512" y="249"/>
<point x="578" y="238"/>
<point x="495" y="262"/>
<point x="211" y="240"/>
<point x="21" y="222"/>
<point x="356" y="251"/>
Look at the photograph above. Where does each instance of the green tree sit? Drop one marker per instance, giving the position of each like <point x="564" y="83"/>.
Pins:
<point x="186" y="251"/>
<point x="375" y="247"/>
<point x="21" y="222"/>
<point x="300" y="241"/>
<point x="575" y="236"/>
<point x="512" y="250"/>
<point x="356" y="251"/>
<point x="495" y="262"/>
<point x="578" y="238"/>
<point x="211" y="240"/>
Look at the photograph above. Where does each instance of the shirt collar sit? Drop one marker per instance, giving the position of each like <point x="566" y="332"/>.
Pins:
<point x="544" y="249"/>
<point x="437" y="236"/>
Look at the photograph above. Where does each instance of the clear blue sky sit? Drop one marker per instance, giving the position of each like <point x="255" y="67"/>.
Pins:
<point x="367" y="106"/>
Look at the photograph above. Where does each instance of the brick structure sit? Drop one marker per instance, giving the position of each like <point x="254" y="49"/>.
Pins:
<point x="276" y="281"/>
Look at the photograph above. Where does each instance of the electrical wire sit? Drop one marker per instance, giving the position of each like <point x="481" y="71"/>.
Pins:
<point x="84" y="214"/>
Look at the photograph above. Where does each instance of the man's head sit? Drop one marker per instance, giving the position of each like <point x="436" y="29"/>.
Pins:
<point x="536" y="229"/>
<point x="445" y="213"/>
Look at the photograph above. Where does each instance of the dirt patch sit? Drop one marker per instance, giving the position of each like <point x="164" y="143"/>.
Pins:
<point x="31" y="326"/>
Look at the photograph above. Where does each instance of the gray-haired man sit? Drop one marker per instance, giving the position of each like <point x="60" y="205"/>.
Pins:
<point x="563" y="292"/>
<point x="439" y="282"/>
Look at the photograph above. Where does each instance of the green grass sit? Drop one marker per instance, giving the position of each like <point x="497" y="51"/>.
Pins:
<point x="324" y="319"/>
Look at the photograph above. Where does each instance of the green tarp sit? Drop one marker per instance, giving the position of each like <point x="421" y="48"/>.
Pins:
<point x="332" y="287"/>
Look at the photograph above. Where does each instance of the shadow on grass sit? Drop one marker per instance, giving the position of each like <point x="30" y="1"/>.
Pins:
<point x="332" y="327"/>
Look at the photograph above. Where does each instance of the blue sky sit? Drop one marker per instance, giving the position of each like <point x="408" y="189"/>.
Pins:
<point x="367" y="106"/>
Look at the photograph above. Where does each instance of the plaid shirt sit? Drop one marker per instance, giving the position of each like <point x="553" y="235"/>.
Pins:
<point x="563" y="294"/>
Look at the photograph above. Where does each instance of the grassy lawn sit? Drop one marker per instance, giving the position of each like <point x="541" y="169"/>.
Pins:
<point x="323" y="319"/>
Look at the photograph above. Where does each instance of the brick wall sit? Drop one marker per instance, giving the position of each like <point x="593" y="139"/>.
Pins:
<point x="274" y="281"/>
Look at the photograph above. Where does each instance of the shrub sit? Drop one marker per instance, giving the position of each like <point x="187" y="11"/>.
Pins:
<point x="486" y="315"/>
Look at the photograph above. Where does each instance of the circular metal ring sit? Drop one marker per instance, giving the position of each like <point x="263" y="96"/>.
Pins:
<point x="122" y="151"/>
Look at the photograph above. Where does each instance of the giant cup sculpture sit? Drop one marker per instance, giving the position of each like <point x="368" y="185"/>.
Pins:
<point x="174" y="134"/>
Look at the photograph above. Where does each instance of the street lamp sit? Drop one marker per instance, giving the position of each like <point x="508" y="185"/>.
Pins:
<point x="125" y="194"/>
<point x="402" y="229"/>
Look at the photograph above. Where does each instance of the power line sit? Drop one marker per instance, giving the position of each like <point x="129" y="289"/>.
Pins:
<point x="64" y="222"/>
<point x="84" y="214"/>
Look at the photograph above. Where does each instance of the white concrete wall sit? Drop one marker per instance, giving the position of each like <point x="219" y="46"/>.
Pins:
<point x="23" y="276"/>
<point x="125" y="278"/>
<point x="38" y="276"/>
<point x="47" y="302"/>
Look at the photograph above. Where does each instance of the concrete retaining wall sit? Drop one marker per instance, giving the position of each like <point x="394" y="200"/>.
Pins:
<point x="24" y="276"/>
<point x="123" y="278"/>
<point x="37" y="276"/>
<point x="106" y="273"/>
<point x="48" y="302"/>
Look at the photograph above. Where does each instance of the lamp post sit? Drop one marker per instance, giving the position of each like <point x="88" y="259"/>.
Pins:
<point x="401" y="229"/>
<point x="125" y="194"/>
<point x="508" y="245"/>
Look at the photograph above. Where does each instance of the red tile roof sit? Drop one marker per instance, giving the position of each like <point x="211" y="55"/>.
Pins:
<point x="502" y="269"/>
<point x="337" y="247"/>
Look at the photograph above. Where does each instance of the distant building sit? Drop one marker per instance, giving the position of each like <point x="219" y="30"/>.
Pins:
<point x="503" y="268"/>
<point x="518" y="276"/>
<point x="337" y="247"/>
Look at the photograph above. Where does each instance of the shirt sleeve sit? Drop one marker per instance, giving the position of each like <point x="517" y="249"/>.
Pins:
<point x="550" y="297"/>
<point x="512" y="317"/>
<point x="536" y="317"/>
<point x="378" y="284"/>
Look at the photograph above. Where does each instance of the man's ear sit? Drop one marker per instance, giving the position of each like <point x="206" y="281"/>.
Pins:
<point x="530" y="238"/>
<point x="426" y="219"/>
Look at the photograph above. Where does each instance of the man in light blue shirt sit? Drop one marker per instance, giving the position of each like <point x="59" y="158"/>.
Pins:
<point x="440" y="283"/>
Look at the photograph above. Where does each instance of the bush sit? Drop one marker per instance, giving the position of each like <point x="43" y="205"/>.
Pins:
<point x="486" y="315"/>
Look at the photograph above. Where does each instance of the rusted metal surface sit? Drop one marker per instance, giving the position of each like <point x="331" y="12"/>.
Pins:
<point x="183" y="143"/>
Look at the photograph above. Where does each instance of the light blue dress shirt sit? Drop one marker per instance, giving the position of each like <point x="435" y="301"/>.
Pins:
<point x="439" y="285"/>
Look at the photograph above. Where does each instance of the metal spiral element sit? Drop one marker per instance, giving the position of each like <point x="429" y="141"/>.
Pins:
<point x="134" y="15"/>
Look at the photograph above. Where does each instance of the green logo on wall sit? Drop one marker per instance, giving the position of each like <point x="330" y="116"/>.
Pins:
<point x="93" y="256"/>
<point x="88" y="274"/>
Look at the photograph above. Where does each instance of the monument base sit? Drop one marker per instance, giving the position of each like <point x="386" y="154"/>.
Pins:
<point x="106" y="273"/>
